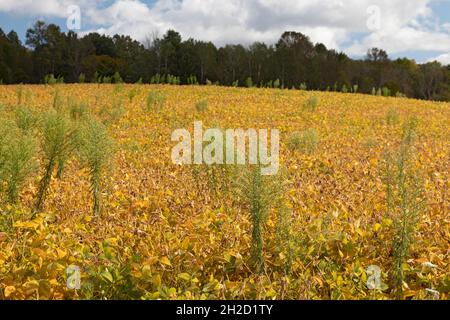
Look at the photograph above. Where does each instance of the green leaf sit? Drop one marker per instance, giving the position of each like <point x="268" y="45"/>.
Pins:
<point x="184" y="276"/>
<point x="107" y="275"/>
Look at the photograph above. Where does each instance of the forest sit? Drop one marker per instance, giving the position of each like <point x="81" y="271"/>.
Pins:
<point x="50" y="55"/>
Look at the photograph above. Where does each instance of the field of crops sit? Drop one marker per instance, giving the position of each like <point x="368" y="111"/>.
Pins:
<point x="364" y="181"/>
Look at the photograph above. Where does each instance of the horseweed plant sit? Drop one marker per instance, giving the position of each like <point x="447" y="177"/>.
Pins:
<point x="96" y="151"/>
<point x="57" y="145"/>
<point x="78" y="111"/>
<point x="304" y="141"/>
<point x="284" y="235"/>
<point x="6" y="127"/>
<point x="260" y="193"/>
<point x="20" y="163"/>
<point x="218" y="176"/>
<point x="404" y="201"/>
<point x="17" y="151"/>
<point x="155" y="101"/>
<point x="311" y="104"/>
<point x="201" y="106"/>
<point x="392" y="117"/>
<point x="26" y="120"/>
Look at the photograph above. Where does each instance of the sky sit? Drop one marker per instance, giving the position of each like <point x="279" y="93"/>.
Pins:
<point x="416" y="29"/>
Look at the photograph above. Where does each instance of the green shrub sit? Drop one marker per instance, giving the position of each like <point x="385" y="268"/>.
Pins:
<point x="81" y="78"/>
<point x="78" y="111"/>
<point x="132" y="94"/>
<point x="192" y="80"/>
<point x="311" y="104"/>
<point x="96" y="78"/>
<point x="371" y="142"/>
<point x="50" y="79"/>
<point x="117" y="111"/>
<point x="277" y="84"/>
<point x="304" y="141"/>
<point x="19" y="93"/>
<point x="392" y="117"/>
<point x="155" y="101"/>
<point x="26" y="120"/>
<point x="57" y="101"/>
<point x="116" y="78"/>
<point x="201" y="106"/>
<point x="249" y="82"/>
<point x="155" y="79"/>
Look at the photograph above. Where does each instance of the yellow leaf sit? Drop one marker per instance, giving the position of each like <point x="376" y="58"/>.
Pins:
<point x="184" y="276"/>
<point x="156" y="280"/>
<point x="9" y="290"/>
<point x="377" y="227"/>
<point x="54" y="282"/>
<point x="166" y="261"/>
<point x="339" y="281"/>
<point x="61" y="253"/>
<point x="32" y="284"/>
<point x="387" y="222"/>
<point x="271" y="293"/>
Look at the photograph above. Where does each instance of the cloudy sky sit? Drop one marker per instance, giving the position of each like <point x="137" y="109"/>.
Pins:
<point x="418" y="29"/>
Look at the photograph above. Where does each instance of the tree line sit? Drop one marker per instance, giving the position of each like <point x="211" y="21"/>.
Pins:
<point x="50" y="55"/>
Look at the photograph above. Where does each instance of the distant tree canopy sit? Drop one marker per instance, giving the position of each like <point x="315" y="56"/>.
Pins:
<point x="294" y="61"/>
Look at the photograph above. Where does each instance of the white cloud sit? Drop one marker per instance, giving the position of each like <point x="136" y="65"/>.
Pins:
<point x="340" y="24"/>
<point x="47" y="8"/>
<point x="443" y="58"/>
